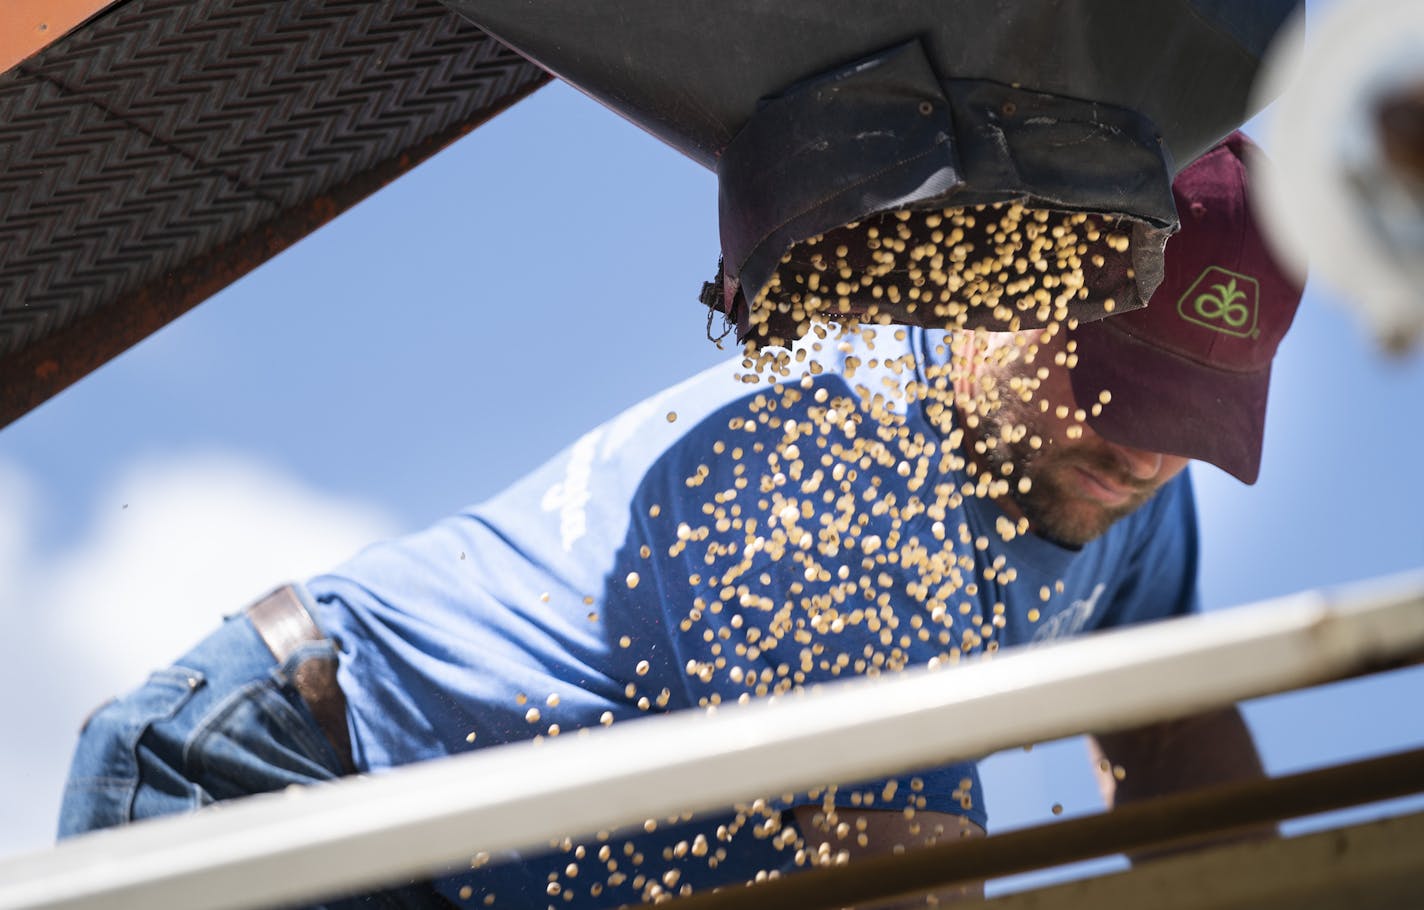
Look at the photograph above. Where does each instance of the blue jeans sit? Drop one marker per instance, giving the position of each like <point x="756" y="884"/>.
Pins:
<point x="222" y="722"/>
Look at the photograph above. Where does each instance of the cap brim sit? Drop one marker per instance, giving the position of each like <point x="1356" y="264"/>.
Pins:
<point x="1163" y="402"/>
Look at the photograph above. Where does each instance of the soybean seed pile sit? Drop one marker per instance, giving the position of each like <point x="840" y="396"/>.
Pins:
<point x="839" y="548"/>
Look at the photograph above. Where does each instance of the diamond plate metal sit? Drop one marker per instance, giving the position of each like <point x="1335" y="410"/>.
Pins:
<point x="167" y="147"/>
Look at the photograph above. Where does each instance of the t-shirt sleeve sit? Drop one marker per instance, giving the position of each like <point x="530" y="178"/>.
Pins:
<point x="1160" y="580"/>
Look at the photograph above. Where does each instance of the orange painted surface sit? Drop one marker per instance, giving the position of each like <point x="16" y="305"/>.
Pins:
<point x="28" y="26"/>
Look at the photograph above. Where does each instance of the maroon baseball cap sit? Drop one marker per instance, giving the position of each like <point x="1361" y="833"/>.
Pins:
<point x="1188" y="374"/>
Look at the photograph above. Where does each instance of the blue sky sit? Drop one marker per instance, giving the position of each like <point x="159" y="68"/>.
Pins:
<point x="467" y="322"/>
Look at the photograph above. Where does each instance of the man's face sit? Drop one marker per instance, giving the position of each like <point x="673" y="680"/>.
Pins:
<point x="1078" y="482"/>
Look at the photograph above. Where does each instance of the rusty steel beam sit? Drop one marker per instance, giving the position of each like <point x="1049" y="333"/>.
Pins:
<point x="29" y="26"/>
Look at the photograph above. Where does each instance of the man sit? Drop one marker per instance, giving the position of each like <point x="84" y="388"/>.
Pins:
<point x="898" y="497"/>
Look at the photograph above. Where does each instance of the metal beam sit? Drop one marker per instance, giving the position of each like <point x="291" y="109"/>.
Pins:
<point x="163" y="148"/>
<point x="1168" y="823"/>
<point x="299" y="845"/>
<point x="43" y="369"/>
<point x="1374" y="866"/>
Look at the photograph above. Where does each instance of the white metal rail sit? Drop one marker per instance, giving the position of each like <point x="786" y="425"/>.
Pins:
<point x="358" y="833"/>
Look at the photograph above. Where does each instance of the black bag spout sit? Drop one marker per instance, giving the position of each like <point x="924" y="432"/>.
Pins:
<point x="818" y="116"/>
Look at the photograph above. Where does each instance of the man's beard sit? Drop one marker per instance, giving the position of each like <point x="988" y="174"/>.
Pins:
<point x="1054" y="509"/>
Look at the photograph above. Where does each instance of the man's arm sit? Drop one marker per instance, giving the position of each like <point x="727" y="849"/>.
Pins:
<point x="1174" y="756"/>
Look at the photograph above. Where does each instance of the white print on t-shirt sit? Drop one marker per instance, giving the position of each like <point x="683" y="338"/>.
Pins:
<point x="570" y="496"/>
<point x="1072" y="619"/>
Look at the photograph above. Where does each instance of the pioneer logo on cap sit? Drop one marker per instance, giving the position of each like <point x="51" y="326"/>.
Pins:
<point x="1223" y="301"/>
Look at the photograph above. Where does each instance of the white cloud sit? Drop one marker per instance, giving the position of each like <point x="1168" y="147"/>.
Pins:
<point x="169" y="549"/>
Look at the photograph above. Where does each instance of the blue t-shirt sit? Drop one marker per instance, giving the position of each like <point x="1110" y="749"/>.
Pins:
<point x="719" y="541"/>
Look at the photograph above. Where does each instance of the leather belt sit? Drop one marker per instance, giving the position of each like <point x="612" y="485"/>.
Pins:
<point x="285" y="625"/>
